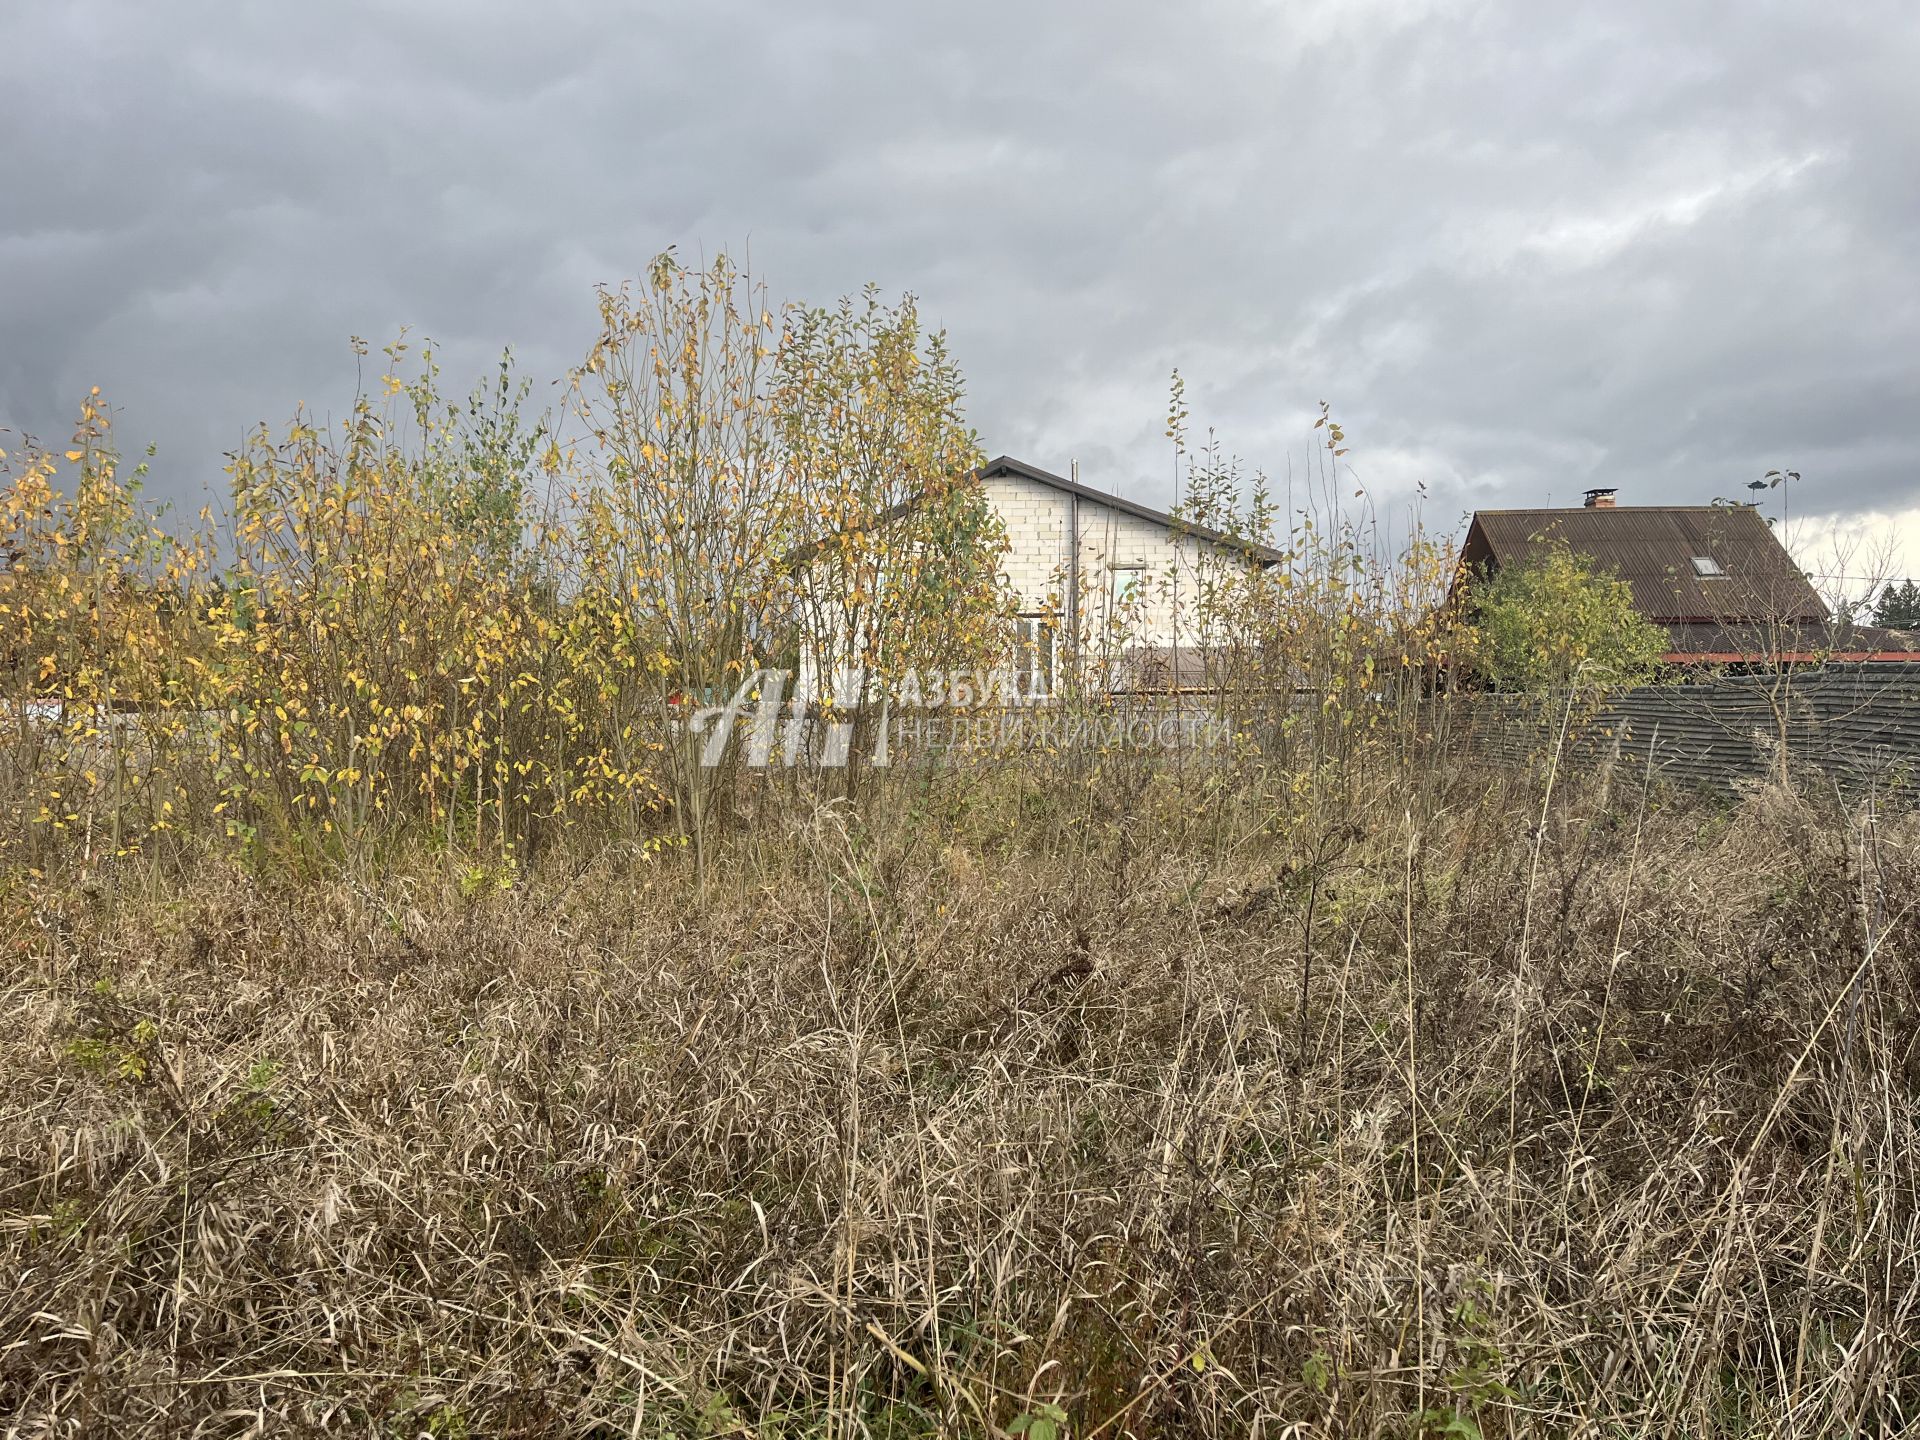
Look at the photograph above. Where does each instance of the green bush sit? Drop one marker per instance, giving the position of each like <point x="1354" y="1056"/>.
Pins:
<point x="1555" y="621"/>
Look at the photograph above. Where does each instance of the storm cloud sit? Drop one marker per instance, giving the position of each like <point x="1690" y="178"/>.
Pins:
<point x="1520" y="248"/>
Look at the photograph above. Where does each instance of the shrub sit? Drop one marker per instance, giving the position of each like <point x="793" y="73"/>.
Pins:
<point x="1555" y="620"/>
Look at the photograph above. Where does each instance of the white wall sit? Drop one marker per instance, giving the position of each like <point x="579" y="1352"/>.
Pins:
<point x="1039" y="520"/>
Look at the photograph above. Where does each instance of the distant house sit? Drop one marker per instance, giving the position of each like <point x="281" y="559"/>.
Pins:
<point x="1715" y="577"/>
<point x="1119" y="575"/>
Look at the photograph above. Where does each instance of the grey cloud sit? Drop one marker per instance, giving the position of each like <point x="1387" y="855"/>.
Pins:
<point x="1667" y="245"/>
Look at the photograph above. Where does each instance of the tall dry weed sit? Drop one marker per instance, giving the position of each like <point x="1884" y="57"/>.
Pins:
<point x="909" y="1127"/>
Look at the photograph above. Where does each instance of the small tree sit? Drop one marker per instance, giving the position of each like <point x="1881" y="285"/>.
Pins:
<point x="899" y="556"/>
<point x="481" y="461"/>
<point x="1553" y="621"/>
<point x="682" y="527"/>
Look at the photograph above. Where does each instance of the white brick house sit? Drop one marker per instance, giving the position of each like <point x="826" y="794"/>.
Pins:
<point x="1119" y="575"/>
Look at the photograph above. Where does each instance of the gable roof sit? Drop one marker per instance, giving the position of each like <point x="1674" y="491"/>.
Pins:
<point x="1020" y="470"/>
<point x="1652" y="548"/>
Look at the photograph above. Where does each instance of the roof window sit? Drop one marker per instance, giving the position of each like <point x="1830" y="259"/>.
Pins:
<point x="1706" y="567"/>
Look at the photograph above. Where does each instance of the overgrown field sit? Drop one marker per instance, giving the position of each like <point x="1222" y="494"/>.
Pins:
<point x="425" y="1016"/>
<point x="1099" y="1101"/>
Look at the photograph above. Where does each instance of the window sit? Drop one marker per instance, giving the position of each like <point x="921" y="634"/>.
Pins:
<point x="1706" y="567"/>
<point x="1033" y="641"/>
<point x="1127" y="583"/>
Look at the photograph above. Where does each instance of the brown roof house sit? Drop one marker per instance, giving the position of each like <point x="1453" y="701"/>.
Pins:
<point x="1715" y="577"/>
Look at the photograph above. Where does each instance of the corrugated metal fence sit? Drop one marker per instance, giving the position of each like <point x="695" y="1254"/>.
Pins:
<point x="1857" y="726"/>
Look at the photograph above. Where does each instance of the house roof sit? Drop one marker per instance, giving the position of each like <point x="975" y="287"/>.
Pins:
<point x="1654" y="549"/>
<point x="1007" y="465"/>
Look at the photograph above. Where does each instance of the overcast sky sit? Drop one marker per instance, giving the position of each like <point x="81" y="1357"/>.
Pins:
<point x="1522" y="248"/>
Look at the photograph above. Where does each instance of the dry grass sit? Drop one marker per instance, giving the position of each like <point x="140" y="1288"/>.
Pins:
<point x="999" y="1103"/>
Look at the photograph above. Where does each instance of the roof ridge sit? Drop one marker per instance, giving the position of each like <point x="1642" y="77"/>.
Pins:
<point x="1612" y="509"/>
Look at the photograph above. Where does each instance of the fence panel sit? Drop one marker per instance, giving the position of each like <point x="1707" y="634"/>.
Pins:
<point x="1857" y="725"/>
